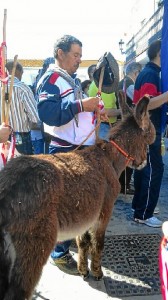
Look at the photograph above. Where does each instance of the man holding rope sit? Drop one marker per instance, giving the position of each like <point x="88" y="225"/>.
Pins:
<point x="67" y="116"/>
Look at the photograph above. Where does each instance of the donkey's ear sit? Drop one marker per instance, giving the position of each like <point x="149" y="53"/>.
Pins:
<point x="125" y="109"/>
<point x="141" y="113"/>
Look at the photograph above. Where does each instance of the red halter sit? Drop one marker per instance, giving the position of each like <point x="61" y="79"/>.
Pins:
<point x="128" y="157"/>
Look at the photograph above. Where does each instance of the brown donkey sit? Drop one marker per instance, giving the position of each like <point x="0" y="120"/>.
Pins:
<point x="49" y="198"/>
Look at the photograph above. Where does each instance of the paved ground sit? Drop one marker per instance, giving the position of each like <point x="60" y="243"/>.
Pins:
<point x="54" y="284"/>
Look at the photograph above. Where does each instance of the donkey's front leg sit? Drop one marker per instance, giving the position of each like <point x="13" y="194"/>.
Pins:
<point x="83" y="243"/>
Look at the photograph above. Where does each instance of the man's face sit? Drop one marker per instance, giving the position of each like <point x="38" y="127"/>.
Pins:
<point x="71" y="60"/>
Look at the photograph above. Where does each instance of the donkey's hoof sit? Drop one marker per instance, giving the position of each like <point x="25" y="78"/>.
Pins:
<point x="85" y="276"/>
<point x="98" y="278"/>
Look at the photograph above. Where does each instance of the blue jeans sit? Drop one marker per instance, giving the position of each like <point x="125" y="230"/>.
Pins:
<point x="24" y="143"/>
<point x="38" y="146"/>
<point x="147" y="183"/>
<point x="62" y="248"/>
<point x="104" y="131"/>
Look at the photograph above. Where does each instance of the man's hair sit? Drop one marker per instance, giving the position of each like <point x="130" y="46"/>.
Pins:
<point x="133" y="67"/>
<point x="154" y="49"/>
<point x="9" y="66"/>
<point x="64" y="43"/>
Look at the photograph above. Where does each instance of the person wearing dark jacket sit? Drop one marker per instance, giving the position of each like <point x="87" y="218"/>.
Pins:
<point x="147" y="182"/>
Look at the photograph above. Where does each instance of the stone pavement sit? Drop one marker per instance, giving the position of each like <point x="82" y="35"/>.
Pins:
<point x="54" y="284"/>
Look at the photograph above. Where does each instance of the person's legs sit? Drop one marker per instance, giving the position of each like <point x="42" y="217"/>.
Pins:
<point x="38" y="146"/>
<point x="61" y="256"/>
<point x="125" y="181"/>
<point x="61" y="249"/>
<point x="147" y="184"/>
<point x="25" y="144"/>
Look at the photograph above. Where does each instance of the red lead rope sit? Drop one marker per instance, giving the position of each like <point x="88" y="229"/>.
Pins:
<point x="128" y="157"/>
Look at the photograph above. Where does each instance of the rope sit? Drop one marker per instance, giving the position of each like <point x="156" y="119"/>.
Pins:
<point x="96" y="127"/>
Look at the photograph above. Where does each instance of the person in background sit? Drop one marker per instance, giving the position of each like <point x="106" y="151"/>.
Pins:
<point x="4" y="133"/>
<point x="23" y="110"/>
<point x="67" y="117"/>
<point x="85" y="86"/>
<point x="37" y="138"/>
<point x="90" y="71"/>
<point x="147" y="182"/>
<point x="110" y="108"/>
<point x="40" y="140"/>
<point x="108" y="95"/>
<point x="127" y="85"/>
<point x="46" y="63"/>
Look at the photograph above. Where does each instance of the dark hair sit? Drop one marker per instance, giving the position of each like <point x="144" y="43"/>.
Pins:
<point x="133" y="67"/>
<point x="90" y="70"/>
<point x="64" y="43"/>
<point x="9" y="66"/>
<point x="85" y="83"/>
<point x="48" y="61"/>
<point x="153" y="49"/>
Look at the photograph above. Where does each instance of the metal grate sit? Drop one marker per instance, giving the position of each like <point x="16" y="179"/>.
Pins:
<point x="131" y="265"/>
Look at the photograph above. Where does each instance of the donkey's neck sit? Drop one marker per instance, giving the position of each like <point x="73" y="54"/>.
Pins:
<point x="119" y="162"/>
<point x="118" y="155"/>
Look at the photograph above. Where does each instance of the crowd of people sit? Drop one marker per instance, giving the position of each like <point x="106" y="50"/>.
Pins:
<point x="59" y="112"/>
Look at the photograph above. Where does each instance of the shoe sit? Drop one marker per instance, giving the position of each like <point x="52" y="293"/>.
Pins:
<point x="66" y="264"/>
<point x="152" y="222"/>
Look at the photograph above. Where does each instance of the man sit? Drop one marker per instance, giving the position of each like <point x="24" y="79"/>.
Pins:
<point x="23" y="110"/>
<point x="127" y="85"/>
<point x="147" y="182"/>
<point x="67" y="117"/>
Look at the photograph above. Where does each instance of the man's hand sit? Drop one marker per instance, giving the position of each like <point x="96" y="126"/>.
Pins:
<point x="90" y="104"/>
<point x="104" y="117"/>
<point x="4" y="133"/>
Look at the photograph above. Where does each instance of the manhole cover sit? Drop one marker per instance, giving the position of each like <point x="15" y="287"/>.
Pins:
<point x="131" y="265"/>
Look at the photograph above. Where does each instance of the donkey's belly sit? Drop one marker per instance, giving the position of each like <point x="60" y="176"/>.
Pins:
<point x="74" y="229"/>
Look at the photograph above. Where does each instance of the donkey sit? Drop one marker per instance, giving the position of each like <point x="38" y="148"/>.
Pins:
<point x="50" y="198"/>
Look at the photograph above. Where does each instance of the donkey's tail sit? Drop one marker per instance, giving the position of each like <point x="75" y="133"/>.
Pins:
<point x="21" y="182"/>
